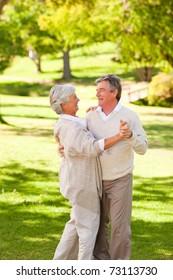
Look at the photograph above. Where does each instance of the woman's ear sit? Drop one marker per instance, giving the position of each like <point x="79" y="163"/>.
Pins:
<point x="63" y="105"/>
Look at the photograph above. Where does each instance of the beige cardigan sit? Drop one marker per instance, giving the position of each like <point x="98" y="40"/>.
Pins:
<point x="80" y="170"/>
<point x="118" y="161"/>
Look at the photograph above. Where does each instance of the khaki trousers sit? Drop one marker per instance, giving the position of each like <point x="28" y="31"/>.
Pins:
<point x="79" y="235"/>
<point x="116" y="206"/>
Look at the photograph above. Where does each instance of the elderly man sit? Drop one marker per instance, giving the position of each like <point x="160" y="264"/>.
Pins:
<point x="80" y="175"/>
<point x="117" y="167"/>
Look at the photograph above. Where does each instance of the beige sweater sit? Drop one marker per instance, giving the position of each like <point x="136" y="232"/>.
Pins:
<point x="80" y="170"/>
<point x="119" y="159"/>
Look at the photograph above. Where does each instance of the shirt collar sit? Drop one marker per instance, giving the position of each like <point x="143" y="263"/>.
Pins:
<point x="74" y="119"/>
<point x="115" y="110"/>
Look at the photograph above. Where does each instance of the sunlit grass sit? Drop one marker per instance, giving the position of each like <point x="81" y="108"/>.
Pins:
<point x="87" y="63"/>
<point x="32" y="210"/>
<point x="31" y="204"/>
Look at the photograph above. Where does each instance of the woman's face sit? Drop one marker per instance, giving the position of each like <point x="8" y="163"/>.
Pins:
<point x="71" y="107"/>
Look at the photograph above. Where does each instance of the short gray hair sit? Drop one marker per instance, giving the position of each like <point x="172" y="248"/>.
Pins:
<point x="59" y="94"/>
<point x="114" y="83"/>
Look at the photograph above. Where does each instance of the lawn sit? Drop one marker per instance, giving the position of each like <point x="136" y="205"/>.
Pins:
<point x="87" y="63"/>
<point x="33" y="212"/>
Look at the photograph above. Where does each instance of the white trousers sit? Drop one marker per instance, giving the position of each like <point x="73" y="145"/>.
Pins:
<point x="79" y="235"/>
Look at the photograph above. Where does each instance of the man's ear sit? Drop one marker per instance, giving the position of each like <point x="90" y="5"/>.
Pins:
<point x="115" y="92"/>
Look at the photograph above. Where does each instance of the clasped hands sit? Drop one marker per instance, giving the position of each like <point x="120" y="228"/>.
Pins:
<point x="125" y="130"/>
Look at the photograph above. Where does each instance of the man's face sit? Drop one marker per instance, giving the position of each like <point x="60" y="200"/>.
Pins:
<point x="104" y="95"/>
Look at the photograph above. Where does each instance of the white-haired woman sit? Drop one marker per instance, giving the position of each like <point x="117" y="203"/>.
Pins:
<point x="80" y="175"/>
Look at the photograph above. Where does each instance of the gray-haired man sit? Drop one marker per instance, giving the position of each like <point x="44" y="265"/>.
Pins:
<point x="117" y="167"/>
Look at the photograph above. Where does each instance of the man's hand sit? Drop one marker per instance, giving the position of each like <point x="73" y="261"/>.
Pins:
<point x="60" y="148"/>
<point x="125" y="130"/>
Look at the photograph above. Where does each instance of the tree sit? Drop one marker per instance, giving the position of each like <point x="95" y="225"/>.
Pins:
<point x="157" y="19"/>
<point x="149" y="38"/>
<point x="2" y="4"/>
<point x="23" y="16"/>
<point x="41" y="27"/>
<point x="6" y="46"/>
<point x="66" y="24"/>
<point x="140" y="29"/>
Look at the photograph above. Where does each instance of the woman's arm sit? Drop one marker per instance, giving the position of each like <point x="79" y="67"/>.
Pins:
<point x="109" y="142"/>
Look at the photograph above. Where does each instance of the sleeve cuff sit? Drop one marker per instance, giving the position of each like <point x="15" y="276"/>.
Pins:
<point x="101" y="144"/>
<point x="132" y="140"/>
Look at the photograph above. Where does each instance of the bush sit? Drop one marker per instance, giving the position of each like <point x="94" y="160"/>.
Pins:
<point x="161" y="91"/>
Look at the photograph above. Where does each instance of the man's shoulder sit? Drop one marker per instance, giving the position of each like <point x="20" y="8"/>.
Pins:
<point x="129" y="111"/>
<point x="91" y="114"/>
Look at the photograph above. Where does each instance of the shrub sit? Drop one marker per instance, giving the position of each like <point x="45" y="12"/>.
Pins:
<point x="161" y="91"/>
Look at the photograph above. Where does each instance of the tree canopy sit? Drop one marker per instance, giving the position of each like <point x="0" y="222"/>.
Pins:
<point x="140" y="29"/>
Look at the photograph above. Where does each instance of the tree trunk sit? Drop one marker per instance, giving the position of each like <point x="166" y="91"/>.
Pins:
<point x="1" y="118"/>
<point x="2" y="4"/>
<point x="36" y="57"/>
<point x="144" y="73"/>
<point x="38" y="64"/>
<point x="66" y="68"/>
<point x="168" y="58"/>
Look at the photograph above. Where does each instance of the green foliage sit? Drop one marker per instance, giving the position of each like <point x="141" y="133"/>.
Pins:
<point x="140" y="40"/>
<point x="10" y="42"/>
<point x="155" y="22"/>
<point x="140" y="29"/>
<point x="6" y="54"/>
<point x="161" y="91"/>
<point x="30" y="202"/>
<point x="66" y="24"/>
<point x="87" y="64"/>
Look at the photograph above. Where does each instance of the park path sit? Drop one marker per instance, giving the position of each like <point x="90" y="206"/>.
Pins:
<point x="134" y="91"/>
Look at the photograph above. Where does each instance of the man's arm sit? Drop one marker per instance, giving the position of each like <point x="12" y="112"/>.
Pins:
<point x="136" y="136"/>
<point x="60" y="147"/>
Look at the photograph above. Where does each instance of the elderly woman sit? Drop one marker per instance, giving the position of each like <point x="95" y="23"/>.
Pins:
<point x="80" y="175"/>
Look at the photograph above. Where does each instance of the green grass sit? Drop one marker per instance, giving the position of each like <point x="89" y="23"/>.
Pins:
<point x="32" y="211"/>
<point x="87" y="64"/>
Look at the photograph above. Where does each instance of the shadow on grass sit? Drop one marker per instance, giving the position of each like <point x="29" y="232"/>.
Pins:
<point x="12" y="130"/>
<point x="158" y="135"/>
<point x="25" y="88"/>
<point x="25" y="105"/>
<point x="149" y="238"/>
<point x="42" y="88"/>
<point x="29" y="116"/>
<point x="22" y="178"/>
<point x="33" y="213"/>
<point x="30" y="233"/>
<point x="153" y="189"/>
<point x="152" y="239"/>
<point x="91" y="80"/>
<point x="28" y="111"/>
